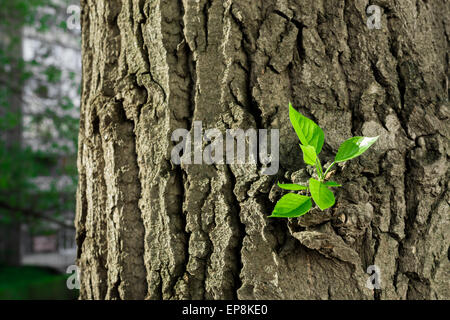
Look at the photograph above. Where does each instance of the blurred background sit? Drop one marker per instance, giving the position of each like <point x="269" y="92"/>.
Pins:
<point x="40" y="74"/>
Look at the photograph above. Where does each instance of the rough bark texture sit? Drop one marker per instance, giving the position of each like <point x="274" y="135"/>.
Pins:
<point x="150" y="229"/>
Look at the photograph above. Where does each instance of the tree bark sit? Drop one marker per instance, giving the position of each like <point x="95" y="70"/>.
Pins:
<point x="147" y="228"/>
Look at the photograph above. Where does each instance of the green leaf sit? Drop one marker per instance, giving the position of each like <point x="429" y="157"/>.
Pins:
<point x="309" y="154"/>
<point x="332" y="184"/>
<point x="321" y="194"/>
<point x="291" y="205"/>
<point x="309" y="133"/>
<point x="292" y="186"/>
<point x="354" y="147"/>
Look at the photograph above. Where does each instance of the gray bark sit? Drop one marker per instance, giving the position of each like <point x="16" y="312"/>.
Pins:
<point x="147" y="228"/>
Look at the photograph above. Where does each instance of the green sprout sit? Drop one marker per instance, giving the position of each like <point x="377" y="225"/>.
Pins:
<point x="311" y="136"/>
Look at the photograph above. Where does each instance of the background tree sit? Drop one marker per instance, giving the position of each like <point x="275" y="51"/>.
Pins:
<point x="38" y="123"/>
<point x="147" y="228"/>
<point x="11" y="128"/>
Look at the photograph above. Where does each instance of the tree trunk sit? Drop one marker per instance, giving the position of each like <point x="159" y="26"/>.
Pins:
<point x="12" y="95"/>
<point x="147" y="228"/>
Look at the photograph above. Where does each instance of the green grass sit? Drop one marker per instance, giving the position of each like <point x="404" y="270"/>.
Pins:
<point x="28" y="283"/>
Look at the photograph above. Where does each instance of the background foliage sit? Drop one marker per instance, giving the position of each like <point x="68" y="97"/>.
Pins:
<point x="39" y="113"/>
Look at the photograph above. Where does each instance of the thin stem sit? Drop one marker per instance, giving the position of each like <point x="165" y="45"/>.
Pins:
<point x="319" y="169"/>
<point x="328" y="169"/>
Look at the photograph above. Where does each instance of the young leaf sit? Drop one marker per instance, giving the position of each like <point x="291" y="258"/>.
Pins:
<point x="354" y="147"/>
<point x="332" y="184"/>
<point x="291" y="205"/>
<point x="309" y="133"/>
<point x="292" y="186"/>
<point x="309" y="154"/>
<point x="321" y="194"/>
